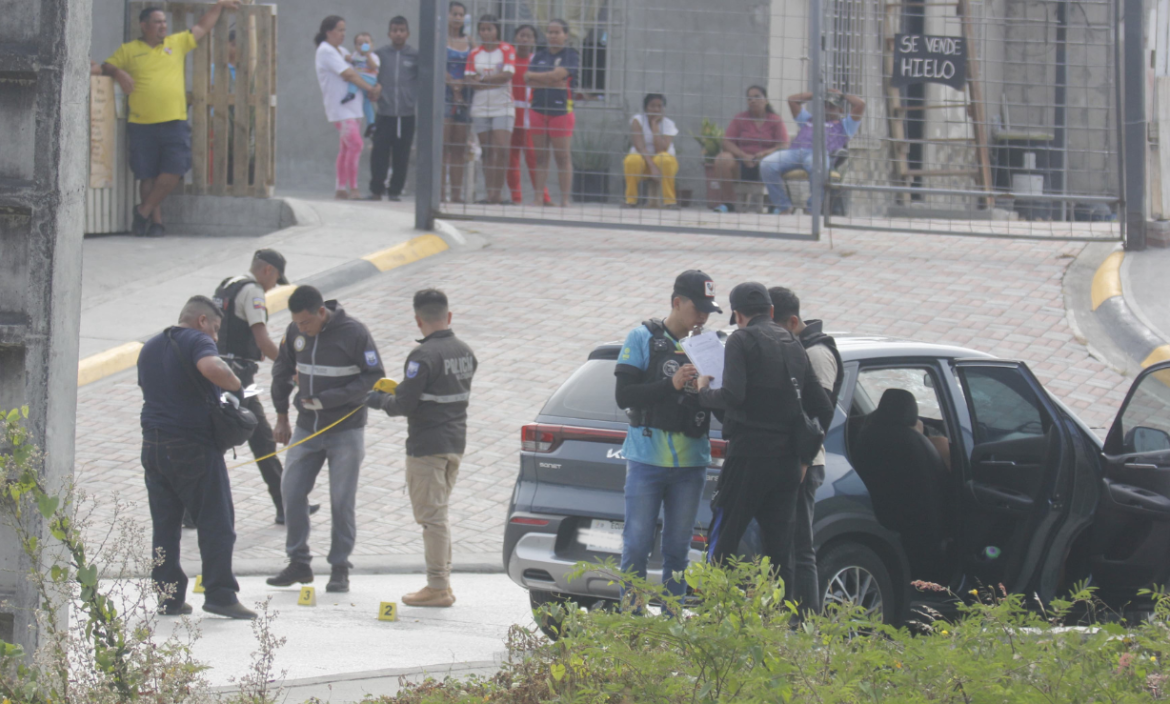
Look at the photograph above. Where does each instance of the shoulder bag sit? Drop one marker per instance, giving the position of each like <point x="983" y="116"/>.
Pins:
<point x="231" y="425"/>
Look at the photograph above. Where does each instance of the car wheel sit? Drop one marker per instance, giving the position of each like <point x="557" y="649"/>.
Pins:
<point x="852" y="574"/>
<point x="548" y="625"/>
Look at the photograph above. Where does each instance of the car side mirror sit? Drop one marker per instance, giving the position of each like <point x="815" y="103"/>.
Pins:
<point x="1143" y="439"/>
<point x="928" y="380"/>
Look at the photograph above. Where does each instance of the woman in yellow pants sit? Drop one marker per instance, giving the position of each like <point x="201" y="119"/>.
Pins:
<point x="651" y="151"/>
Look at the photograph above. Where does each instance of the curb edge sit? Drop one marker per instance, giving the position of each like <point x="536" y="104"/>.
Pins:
<point x="1143" y="346"/>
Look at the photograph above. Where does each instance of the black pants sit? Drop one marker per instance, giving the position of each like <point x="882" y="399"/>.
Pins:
<point x="262" y="443"/>
<point x="391" y="134"/>
<point x="181" y="474"/>
<point x="806" y="588"/>
<point x="760" y="488"/>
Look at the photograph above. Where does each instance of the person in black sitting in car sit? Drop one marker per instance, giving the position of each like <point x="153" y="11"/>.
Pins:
<point x="767" y="383"/>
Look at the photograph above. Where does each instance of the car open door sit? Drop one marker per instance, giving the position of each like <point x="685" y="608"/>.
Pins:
<point x="1130" y="543"/>
<point x="1016" y="459"/>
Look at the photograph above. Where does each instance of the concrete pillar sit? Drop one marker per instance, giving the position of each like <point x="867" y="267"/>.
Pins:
<point x="44" y="93"/>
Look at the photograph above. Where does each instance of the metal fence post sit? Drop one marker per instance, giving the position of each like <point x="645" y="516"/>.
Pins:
<point x="1134" y="117"/>
<point x="816" y="181"/>
<point x="432" y="69"/>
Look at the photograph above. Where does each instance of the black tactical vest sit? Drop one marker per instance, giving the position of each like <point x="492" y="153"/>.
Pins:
<point x="235" y="335"/>
<point x="680" y="411"/>
<point x="813" y="335"/>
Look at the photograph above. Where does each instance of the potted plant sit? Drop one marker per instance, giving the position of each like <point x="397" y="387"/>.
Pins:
<point x="592" y="156"/>
<point x="710" y="139"/>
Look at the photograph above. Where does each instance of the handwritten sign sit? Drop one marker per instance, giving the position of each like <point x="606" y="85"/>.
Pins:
<point x="919" y="58"/>
<point x="102" y="130"/>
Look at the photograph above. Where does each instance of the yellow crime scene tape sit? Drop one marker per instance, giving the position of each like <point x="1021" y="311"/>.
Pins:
<point x="384" y="385"/>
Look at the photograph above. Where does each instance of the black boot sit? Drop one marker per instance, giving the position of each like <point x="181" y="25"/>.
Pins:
<point x="339" y="580"/>
<point x="295" y="572"/>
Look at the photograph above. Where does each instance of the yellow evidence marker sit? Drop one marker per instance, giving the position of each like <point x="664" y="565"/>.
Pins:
<point x="198" y="584"/>
<point x="388" y="611"/>
<point x="308" y="597"/>
<point x="386" y="386"/>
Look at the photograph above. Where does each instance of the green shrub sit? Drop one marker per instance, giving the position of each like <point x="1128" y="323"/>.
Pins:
<point x="737" y="642"/>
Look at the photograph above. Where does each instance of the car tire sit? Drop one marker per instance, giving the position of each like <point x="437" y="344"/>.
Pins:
<point x="852" y="573"/>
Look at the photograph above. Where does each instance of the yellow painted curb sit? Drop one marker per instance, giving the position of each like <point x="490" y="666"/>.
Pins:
<point x="1160" y="354"/>
<point x="106" y="363"/>
<point x="413" y="250"/>
<point x="1107" y="280"/>
<point x="277" y="298"/>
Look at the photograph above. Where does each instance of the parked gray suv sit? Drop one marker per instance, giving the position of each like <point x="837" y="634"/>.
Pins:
<point x="1034" y="500"/>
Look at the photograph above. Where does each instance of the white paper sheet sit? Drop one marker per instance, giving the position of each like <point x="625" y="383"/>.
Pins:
<point x="706" y="353"/>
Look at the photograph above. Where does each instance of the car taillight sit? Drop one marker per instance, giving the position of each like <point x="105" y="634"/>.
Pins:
<point x="521" y="521"/>
<point x="537" y="438"/>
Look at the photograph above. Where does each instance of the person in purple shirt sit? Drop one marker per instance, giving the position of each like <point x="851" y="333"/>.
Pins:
<point x="840" y="126"/>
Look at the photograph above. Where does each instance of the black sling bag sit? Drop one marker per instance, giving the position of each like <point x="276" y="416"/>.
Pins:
<point x="231" y="425"/>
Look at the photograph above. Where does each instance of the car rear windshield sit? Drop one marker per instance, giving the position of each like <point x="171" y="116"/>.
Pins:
<point x="588" y="394"/>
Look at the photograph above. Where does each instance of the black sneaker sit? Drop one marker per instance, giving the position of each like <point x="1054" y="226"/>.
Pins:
<point x="175" y="609"/>
<point x="295" y="572"/>
<point x="313" y="508"/>
<point x="140" y="225"/>
<point x="391" y="196"/>
<point x="155" y="230"/>
<point x="236" y="610"/>
<point x="339" y="580"/>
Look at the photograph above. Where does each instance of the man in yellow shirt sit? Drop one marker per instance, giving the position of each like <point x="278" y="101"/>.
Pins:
<point x="152" y="71"/>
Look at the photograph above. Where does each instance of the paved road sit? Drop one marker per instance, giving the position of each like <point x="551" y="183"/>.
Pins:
<point x="535" y="300"/>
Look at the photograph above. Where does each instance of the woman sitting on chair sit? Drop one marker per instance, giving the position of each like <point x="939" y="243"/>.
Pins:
<point x="651" y="151"/>
<point x="751" y="136"/>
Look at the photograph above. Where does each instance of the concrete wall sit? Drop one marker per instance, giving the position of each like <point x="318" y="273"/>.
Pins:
<point x="43" y="111"/>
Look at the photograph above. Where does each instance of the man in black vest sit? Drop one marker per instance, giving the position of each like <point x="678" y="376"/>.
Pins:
<point x="767" y="380"/>
<point x="826" y="364"/>
<point x="667" y="448"/>
<point x="244" y="343"/>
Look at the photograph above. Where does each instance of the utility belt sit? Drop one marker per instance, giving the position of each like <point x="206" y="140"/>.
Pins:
<point x="244" y="369"/>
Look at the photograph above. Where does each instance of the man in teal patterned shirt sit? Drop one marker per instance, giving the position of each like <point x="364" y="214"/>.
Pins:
<point x="667" y="449"/>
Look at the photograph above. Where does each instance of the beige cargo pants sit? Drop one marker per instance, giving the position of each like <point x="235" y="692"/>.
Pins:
<point x="429" y="481"/>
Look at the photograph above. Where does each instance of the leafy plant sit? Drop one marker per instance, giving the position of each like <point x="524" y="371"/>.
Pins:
<point x="710" y="139"/>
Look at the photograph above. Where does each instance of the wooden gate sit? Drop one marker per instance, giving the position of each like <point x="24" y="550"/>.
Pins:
<point x="233" y="111"/>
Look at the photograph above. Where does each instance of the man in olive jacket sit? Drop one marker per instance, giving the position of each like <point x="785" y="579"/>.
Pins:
<point x="433" y="395"/>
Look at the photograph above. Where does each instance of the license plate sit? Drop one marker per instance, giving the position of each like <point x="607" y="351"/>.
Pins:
<point x="602" y="536"/>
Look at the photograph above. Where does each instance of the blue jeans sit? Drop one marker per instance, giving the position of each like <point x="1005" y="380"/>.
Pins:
<point x="675" y="491"/>
<point x="778" y="163"/>
<point x="345" y="450"/>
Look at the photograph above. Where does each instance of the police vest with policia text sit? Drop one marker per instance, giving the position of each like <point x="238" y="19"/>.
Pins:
<point x="679" y="411"/>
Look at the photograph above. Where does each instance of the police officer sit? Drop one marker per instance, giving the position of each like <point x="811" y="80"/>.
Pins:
<point x="767" y="379"/>
<point x="826" y="363"/>
<point x="244" y="343"/>
<point x="433" y="395"/>
<point x="667" y="450"/>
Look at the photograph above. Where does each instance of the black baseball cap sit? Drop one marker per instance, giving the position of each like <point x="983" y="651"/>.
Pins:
<point x="698" y="287"/>
<point x="276" y="259"/>
<point x="747" y="296"/>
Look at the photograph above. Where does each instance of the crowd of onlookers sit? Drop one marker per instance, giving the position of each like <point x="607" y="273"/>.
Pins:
<point x="513" y="102"/>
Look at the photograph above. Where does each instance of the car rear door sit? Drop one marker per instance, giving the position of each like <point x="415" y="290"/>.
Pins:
<point x="1130" y="541"/>
<point x="1016" y="471"/>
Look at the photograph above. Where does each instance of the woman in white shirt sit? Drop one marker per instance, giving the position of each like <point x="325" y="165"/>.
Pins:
<point x="490" y="67"/>
<point x="342" y="108"/>
<point x="651" y="151"/>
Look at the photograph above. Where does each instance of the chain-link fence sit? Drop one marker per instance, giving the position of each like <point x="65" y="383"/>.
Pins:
<point x="991" y="117"/>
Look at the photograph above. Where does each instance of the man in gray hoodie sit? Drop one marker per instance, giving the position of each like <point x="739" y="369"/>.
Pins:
<point x="394" y="128"/>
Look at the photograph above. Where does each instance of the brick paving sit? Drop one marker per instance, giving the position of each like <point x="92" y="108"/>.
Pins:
<point x="537" y="299"/>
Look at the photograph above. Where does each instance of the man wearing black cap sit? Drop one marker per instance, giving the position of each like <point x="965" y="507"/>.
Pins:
<point x="667" y="450"/>
<point x="244" y="343"/>
<point x="767" y="380"/>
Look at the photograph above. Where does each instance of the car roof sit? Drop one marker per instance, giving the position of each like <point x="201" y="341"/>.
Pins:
<point x="857" y="347"/>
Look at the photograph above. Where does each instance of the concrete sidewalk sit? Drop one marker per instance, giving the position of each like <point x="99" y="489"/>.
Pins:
<point x="133" y="287"/>
<point x="339" y="651"/>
